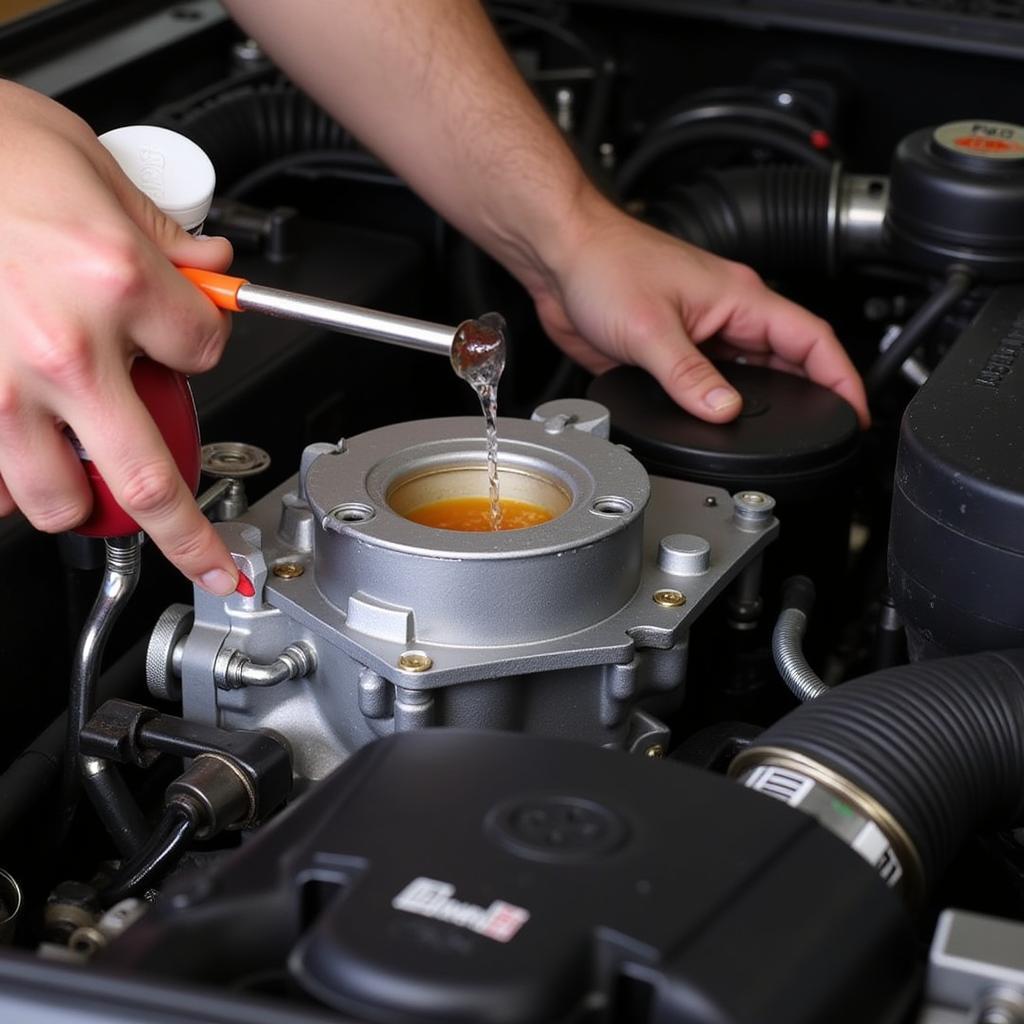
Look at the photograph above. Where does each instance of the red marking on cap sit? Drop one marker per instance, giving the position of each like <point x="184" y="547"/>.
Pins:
<point x="820" y="139"/>
<point x="988" y="145"/>
<point x="245" y="587"/>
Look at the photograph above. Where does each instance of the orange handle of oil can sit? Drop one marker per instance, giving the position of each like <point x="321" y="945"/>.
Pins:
<point x="221" y="289"/>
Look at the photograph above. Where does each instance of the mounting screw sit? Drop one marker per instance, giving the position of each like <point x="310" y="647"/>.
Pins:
<point x="288" y="570"/>
<point x="415" y="661"/>
<point x="711" y="501"/>
<point x="669" y="598"/>
<point x="657" y="751"/>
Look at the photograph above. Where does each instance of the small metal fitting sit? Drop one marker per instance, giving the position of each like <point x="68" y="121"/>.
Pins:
<point x="218" y="790"/>
<point x="288" y="570"/>
<point x="669" y="598"/>
<point x="350" y="513"/>
<point x="89" y="940"/>
<point x="234" y="460"/>
<point x="656" y="752"/>
<point x="752" y="510"/>
<point x="233" y="670"/>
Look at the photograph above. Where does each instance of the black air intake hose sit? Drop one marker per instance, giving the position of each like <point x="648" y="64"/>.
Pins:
<point x="939" y="745"/>
<point x="775" y="218"/>
<point x="254" y="125"/>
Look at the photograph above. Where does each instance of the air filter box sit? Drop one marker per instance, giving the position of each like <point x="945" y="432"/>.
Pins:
<point x="956" y="548"/>
<point x="447" y="875"/>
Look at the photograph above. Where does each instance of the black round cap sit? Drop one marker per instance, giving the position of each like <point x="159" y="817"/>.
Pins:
<point x="791" y="435"/>
<point x="957" y="196"/>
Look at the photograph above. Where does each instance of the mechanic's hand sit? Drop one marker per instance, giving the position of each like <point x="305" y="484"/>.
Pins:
<point x="627" y="293"/>
<point x="86" y="284"/>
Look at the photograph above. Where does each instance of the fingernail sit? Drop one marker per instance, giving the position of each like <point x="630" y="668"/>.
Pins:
<point x="218" y="582"/>
<point x="720" y="398"/>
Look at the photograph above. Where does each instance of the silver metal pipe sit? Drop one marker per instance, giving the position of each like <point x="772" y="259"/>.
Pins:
<point x="862" y="200"/>
<point x="233" y="669"/>
<point x="340" y="316"/>
<point x="788" y="651"/>
<point x="123" y="565"/>
<point x="216" y="492"/>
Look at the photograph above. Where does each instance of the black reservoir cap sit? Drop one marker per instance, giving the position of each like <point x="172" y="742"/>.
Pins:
<point x="792" y="434"/>
<point x="957" y="197"/>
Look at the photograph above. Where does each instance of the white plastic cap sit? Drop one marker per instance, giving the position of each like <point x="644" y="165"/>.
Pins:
<point x="172" y="170"/>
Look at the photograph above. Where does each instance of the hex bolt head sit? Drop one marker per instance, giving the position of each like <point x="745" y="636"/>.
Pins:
<point x="415" y="661"/>
<point x="655" y="751"/>
<point x="288" y="570"/>
<point x="669" y="598"/>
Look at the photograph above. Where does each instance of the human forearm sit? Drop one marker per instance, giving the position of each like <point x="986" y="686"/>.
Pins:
<point x="428" y="86"/>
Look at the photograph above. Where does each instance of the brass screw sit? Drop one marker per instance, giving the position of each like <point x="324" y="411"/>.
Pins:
<point x="656" y="751"/>
<point x="288" y="570"/>
<point x="669" y="598"/>
<point x="415" y="661"/>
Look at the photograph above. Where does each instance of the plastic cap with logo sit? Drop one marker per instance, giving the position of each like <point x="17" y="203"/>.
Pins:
<point x="169" y="168"/>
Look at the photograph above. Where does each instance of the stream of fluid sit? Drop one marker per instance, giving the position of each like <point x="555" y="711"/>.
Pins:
<point x="478" y="356"/>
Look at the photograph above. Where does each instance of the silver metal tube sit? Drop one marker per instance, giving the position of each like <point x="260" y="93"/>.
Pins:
<point x="862" y="200"/>
<point x="234" y="670"/>
<point x="214" y="493"/>
<point x="340" y="316"/>
<point x="788" y="652"/>
<point x="124" y="562"/>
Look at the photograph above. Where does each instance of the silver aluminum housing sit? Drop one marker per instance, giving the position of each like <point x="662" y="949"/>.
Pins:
<point x="551" y="629"/>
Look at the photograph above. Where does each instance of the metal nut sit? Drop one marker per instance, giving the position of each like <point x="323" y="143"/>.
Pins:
<point x="669" y="598"/>
<point x="753" y="510"/>
<point x="415" y="661"/>
<point x="288" y="570"/>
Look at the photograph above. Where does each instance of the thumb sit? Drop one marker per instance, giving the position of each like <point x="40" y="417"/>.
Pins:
<point x="689" y="378"/>
<point x="181" y="248"/>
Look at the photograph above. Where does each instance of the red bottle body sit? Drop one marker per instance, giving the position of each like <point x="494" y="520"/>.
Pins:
<point x="168" y="397"/>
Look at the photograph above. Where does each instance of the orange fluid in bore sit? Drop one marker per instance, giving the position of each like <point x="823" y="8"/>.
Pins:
<point x="474" y="514"/>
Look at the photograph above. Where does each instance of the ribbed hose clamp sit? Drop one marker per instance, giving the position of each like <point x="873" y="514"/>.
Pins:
<point x="854" y="816"/>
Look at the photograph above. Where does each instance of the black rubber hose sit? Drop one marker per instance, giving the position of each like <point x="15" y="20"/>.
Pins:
<point x="256" y="125"/>
<point x="721" y="127"/>
<point x="775" y="218"/>
<point x="160" y="855"/>
<point x="25" y="784"/>
<point x="939" y="744"/>
<point x="117" y="808"/>
<point x="957" y="284"/>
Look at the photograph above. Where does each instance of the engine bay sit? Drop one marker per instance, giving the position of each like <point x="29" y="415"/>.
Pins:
<point x="735" y="734"/>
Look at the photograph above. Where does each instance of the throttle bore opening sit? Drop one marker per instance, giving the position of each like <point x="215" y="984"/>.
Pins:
<point x="457" y="498"/>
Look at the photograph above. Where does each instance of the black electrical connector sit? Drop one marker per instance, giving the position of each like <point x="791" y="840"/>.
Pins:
<point x="235" y="779"/>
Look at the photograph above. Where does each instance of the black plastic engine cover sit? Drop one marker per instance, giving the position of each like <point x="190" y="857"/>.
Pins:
<point x="956" y="551"/>
<point x="458" y="876"/>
